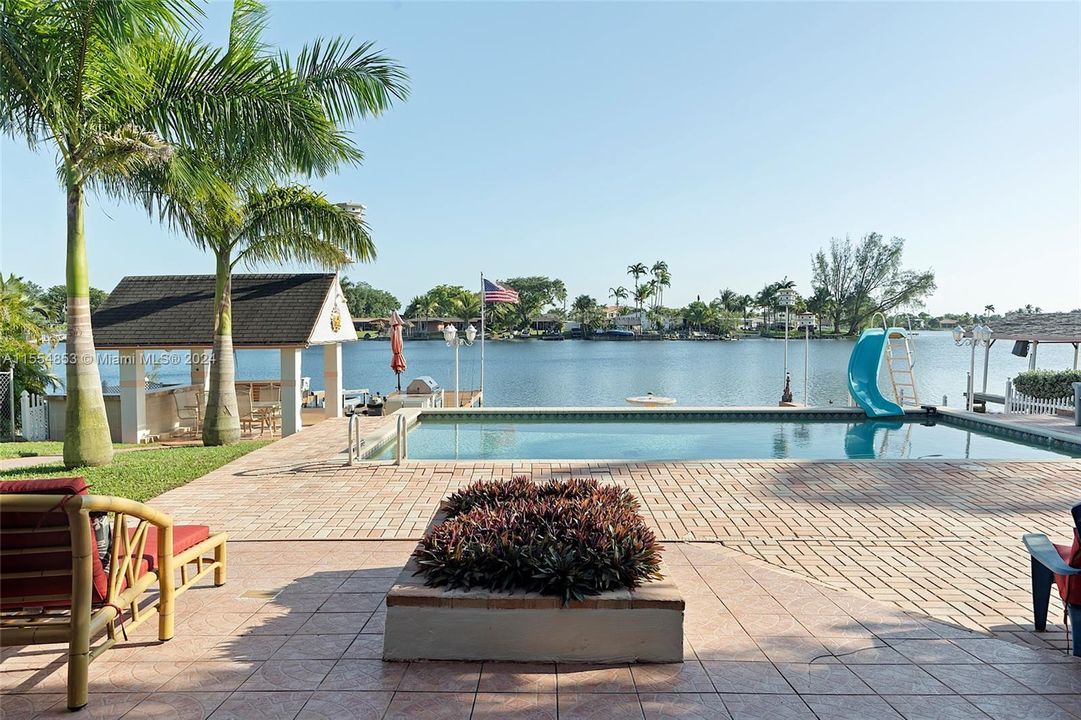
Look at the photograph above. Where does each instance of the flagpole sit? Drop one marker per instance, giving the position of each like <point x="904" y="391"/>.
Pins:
<point x="483" y="305"/>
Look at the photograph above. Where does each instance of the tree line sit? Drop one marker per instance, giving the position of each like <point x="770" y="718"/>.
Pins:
<point x="851" y="281"/>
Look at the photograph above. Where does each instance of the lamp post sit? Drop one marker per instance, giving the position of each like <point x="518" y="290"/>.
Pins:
<point x="806" y="360"/>
<point x="787" y="297"/>
<point x="981" y="335"/>
<point x="450" y="334"/>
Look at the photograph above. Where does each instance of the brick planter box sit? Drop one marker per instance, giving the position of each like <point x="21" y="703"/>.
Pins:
<point x="425" y="623"/>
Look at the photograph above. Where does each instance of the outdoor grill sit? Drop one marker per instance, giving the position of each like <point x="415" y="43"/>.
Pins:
<point x="423" y="385"/>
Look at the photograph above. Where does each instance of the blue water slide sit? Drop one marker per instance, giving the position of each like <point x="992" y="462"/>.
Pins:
<point x="863" y="368"/>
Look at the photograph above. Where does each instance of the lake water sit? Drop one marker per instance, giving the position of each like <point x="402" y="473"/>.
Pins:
<point x="603" y="373"/>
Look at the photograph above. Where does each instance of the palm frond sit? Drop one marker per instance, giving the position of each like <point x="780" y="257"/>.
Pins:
<point x="297" y="224"/>
<point x="246" y="27"/>
<point x="348" y="83"/>
<point x="122" y="152"/>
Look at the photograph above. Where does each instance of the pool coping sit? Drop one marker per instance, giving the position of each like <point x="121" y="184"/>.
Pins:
<point x="1043" y="437"/>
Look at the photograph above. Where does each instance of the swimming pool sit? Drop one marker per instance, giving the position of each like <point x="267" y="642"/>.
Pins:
<point x="644" y="437"/>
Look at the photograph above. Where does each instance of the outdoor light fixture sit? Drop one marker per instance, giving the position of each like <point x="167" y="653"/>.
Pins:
<point x="786" y="297"/>
<point x="450" y="334"/>
<point x="981" y="335"/>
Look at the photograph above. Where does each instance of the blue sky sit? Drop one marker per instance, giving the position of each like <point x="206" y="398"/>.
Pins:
<point x="731" y="140"/>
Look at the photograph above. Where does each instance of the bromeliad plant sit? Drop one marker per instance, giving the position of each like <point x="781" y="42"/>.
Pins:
<point x="570" y="539"/>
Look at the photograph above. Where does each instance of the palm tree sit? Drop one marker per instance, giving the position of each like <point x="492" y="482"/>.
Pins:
<point x="252" y="220"/>
<point x="729" y="299"/>
<point x="660" y="270"/>
<point x="641" y="294"/>
<point x="275" y="224"/>
<point x="584" y="310"/>
<point x="111" y="87"/>
<point x="467" y="306"/>
<point x="618" y="293"/>
<point x="662" y="280"/>
<point x="637" y="270"/>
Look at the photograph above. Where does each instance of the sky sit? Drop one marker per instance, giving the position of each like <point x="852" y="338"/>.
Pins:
<point x="731" y="140"/>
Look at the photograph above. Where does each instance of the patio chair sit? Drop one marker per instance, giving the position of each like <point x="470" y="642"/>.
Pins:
<point x="1059" y="565"/>
<point x="189" y="409"/>
<point x="246" y="410"/>
<point x="68" y="576"/>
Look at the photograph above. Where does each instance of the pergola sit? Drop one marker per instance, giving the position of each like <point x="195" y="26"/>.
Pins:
<point x="286" y="312"/>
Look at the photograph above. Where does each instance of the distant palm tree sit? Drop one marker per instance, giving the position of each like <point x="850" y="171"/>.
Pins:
<point x="663" y="279"/>
<point x="729" y="299"/>
<point x="584" y="310"/>
<point x="618" y="293"/>
<point x="641" y="294"/>
<point x="467" y="307"/>
<point x="113" y="87"/>
<point x="637" y="270"/>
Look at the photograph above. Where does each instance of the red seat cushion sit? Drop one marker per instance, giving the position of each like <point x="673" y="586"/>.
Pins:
<point x="184" y="537"/>
<point x="59" y="560"/>
<point x="1069" y="586"/>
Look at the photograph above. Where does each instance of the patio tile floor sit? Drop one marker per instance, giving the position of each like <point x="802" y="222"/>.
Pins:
<point x="937" y="537"/>
<point x="743" y="667"/>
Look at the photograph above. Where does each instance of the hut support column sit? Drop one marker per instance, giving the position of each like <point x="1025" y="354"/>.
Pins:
<point x="200" y="368"/>
<point x="290" y="376"/>
<point x="132" y="395"/>
<point x="332" y="380"/>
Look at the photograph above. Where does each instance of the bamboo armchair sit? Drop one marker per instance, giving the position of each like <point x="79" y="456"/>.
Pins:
<point x="54" y="587"/>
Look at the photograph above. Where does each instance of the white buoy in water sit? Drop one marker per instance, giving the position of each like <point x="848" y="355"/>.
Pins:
<point x="651" y="400"/>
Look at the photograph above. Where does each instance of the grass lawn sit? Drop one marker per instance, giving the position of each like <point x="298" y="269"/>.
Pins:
<point x="142" y="474"/>
<point x="34" y="449"/>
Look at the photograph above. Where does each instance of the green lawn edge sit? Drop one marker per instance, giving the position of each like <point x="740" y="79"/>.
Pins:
<point x="143" y="474"/>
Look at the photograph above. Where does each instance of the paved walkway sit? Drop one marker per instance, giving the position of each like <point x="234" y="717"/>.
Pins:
<point x="17" y="463"/>
<point x="297" y="633"/>
<point x="941" y="538"/>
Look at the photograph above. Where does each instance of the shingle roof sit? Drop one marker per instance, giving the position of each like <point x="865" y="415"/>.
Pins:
<point x="1043" y="327"/>
<point x="176" y="311"/>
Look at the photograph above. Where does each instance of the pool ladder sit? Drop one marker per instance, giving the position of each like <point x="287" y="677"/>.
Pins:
<point x="356" y="444"/>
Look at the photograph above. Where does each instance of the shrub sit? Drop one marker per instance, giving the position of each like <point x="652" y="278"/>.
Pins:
<point x="1047" y="384"/>
<point x="570" y="539"/>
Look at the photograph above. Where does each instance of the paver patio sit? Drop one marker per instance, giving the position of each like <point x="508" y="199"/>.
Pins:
<point x="297" y="633"/>
<point x="938" y="537"/>
<point x="814" y="590"/>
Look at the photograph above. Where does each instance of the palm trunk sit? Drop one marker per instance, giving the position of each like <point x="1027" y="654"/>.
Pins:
<point x="87" y="440"/>
<point x="222" y="424"/>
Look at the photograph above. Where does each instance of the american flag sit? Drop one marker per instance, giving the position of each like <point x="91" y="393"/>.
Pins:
<point x="496" y="293"/>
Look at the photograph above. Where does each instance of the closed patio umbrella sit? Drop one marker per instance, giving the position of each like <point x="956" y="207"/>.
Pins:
<point x="397" y="359"/>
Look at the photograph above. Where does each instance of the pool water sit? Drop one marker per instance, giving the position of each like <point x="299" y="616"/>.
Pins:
<point x="632" y="440"/>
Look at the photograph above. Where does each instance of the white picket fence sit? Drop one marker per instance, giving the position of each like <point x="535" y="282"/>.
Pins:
<point x="35" y="416"/>
<point x="1017" y="402"/>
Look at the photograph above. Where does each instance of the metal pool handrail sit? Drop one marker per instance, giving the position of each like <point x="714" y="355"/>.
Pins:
<point x="353" y="439"/>
<point x="355" y="444"/>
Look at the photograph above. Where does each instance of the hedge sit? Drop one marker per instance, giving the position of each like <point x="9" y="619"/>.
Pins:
<point x="1047" y="384"/>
